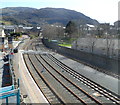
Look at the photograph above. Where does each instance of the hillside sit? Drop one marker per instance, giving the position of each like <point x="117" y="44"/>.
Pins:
<point x="25" y="15"/>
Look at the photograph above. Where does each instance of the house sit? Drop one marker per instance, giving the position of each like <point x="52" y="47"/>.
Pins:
<point x="9" y="29"/>
<point x="99" y="46"/>
<point x="2" y="33"/>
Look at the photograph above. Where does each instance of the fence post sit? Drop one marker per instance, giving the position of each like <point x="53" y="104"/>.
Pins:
<point x="18" y="83"/>
<point x="6" y="100"/>
<point x="18" y="94"/>
<point x="18" y="97"/>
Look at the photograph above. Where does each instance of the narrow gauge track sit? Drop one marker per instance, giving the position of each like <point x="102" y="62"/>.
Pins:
<point x="85" y="80"/>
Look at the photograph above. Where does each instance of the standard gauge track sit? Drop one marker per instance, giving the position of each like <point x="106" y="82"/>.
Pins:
<point x="77" y="87"/>
<point x="104" y="92"/>
<point x="54" y="84"/>
<point x="71" y="86"/>
<point x="80" y="77"/>
<point x="50" y="95"/>
<point x="66" y="87"/>
<point x="109" y="95"/>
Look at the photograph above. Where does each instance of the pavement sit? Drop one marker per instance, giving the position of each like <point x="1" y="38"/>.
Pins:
<point x="30" y="93"/>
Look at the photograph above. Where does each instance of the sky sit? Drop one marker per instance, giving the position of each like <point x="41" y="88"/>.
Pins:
<point x="101" y="10"/>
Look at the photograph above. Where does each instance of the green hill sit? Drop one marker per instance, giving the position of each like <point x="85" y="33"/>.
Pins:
<point x="25" y="15"/>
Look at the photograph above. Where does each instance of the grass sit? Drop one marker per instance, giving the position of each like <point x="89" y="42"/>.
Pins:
<point x="32" y="36"/>
<point x="6" y="22"/>
<point x="65" y="45"/>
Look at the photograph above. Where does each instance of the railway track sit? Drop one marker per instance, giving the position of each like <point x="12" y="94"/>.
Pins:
<point x="61" y="86"/>
<point x="77" y="86"/>
<point x="46" y="89"/>
<point x="96" y="87"/>
<point x="41" y="82"/>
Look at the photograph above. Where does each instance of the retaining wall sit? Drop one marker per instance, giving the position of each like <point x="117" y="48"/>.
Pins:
<point x="102" y="62"/>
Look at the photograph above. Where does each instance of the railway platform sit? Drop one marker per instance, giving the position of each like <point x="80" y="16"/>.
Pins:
<point x="7" y="95"/>
<point x="29" y="90"/>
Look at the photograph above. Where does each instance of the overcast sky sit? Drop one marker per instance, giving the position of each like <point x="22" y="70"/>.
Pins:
<point x="101" y="10"/>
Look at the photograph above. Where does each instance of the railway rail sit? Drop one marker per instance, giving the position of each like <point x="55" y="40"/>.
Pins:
<point x="78" y="88"/>
<point x="41" y="82"/>
<point x="84" y="80"/>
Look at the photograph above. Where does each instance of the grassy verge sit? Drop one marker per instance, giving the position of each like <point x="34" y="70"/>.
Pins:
<point x="65" y="45"/>
<point x="32" y="36"/>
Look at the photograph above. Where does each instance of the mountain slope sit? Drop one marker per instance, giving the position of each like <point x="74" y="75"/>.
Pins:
<point x="25" y="15"/>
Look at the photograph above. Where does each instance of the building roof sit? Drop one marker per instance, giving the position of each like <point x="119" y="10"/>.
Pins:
<point x="90" y="25"/>
<point x="27" y="28"/>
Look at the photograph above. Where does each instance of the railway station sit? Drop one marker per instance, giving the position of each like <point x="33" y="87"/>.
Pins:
<point x="59" y="52"/>
<point x="32" y="72"/>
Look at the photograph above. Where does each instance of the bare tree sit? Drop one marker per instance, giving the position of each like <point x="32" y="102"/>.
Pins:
<point x="91" y="42"/>
<point x="53" y="31"/>
<point x="109" y="45"/>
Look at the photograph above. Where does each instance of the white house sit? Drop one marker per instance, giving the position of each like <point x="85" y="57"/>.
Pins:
<point x="2" y="33"/>
<point x="107" y="47"/>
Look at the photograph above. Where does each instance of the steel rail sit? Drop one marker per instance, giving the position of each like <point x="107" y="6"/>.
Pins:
<point x="101" y="89"/>
<point x="83" y="79"/>
<point x="88" y="82"/>
<point x="43" y="79"/>
<point x="98" y="102"/>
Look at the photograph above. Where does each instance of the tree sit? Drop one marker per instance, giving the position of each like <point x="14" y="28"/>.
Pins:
<point x="91" y="40"/>
<point x="53" y="31"/>
<point x="16" y="34"/>
<point x="71" y="28"/>
<point x="109" y="45"/>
